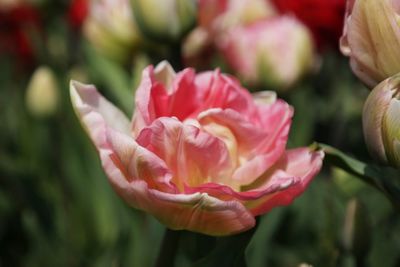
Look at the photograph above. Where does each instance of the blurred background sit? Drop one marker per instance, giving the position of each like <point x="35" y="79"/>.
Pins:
<point x="56" y="206"/>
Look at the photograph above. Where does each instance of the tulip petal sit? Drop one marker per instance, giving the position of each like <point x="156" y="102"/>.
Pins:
<point x="194" y="156"/>
<point x="226" y="193"/>
<point x="373" y="112"/>
<point x="222" y="91"/>
<point x="162" y="93"/>
<point x="109" y="130"/>
<point x="92" y="109"/>
<point x="371" y="39"/>
<point x="131" y="169"/>
<point x="292" y="173"/>
<point x="279" y="186"/>
<point x="196" y="212"/>
<point x="259" y="144"/>
<point x="391" y="128"/>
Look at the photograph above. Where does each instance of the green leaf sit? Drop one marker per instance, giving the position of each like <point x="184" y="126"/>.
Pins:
<point x="113" y="76"/>
<point x="385" y="179"/>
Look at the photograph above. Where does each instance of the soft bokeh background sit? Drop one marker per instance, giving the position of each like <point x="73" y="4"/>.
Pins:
<point x="56" y="206"/>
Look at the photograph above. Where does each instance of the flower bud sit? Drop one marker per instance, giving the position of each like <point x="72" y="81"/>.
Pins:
<point x="371" y="38"/>
<point x="274" y="52"/>
<point x="111" y="28"/>
<point x="381" y="121"/>
<point x="42" y="93"/>
<point x="165" y="20"/>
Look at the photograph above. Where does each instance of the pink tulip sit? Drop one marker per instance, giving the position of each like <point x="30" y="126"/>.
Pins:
<point x="275" y="52"/>
<point x="215" y="19"/>
<point x="201" y="153"/>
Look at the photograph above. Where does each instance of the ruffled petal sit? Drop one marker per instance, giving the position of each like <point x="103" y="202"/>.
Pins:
<point x="93" y="109"/>
<point x="223" y="91"/>
<point x="109" y="130"/>
<point x="373" y="117"/>
<point x="258" y="143"/>
<point x="279" y="186"/>
<point x="196" y="212"/>
<point x="292" y="173"/>
<point x="142" y="179"/>
<point x="371" y="38"/>
<point x="194" y="156"/>
<point x="162" y="93"/>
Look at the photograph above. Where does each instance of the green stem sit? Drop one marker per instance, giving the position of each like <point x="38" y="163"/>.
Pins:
<point x="169" y="247"/>
<point x="385" y="179"/>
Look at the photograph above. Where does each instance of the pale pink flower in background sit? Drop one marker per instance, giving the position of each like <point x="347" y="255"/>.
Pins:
<point x="274" y="52"/>
<point x="214" y="19"/>
<point x="200" y="153"/>
<point x="263" y="48"/>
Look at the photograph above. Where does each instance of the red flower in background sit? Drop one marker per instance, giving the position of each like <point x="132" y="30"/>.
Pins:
<point x="17" y="26"/>
<point x="209" y="10"/>
<point x="323" y="17"/>
<point x="77" y="12"/>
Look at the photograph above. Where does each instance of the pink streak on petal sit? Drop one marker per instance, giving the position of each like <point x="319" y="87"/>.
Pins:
<point x="181" y="101"/>
<point x="197" y="212"/>
<point x="225" y="192"/>
<point x="86" y="99"/>
<point x="128" y="166"/>
<point x="157" y="98"/>
<point x="301" y="164"/>
<point x="223" y="91"/>
<point x="109" y="131"/>
<point x="145" y="111"/>
<point x="261" y="142"/>
<point x="139" y="163"/>
<point x="193" y="156"/>
<point x="281" y="185"/>
<point x="203" y="213"/>
<point x="187" y="96"/>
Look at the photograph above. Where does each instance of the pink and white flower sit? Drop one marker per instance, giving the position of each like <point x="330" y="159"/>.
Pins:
<point x="275" y="52"/>
<point x="200" y="153"/>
